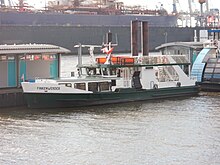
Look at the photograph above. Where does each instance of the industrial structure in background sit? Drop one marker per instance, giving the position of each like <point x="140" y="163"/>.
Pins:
<point x="92" y="7"/>
<point x="63" y="22"/>
<point x="203" y="17"/>
<point x="81" y="13"/>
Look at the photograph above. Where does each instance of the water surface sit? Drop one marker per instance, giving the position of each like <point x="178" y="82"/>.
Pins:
<point x="168" y="132"/>
<point x="181" y="131"/>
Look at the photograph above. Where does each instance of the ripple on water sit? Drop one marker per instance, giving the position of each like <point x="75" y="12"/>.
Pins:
<point x="175" y="131"/>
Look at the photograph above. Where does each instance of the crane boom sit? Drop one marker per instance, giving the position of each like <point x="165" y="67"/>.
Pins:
<point x="9" y="3"/>
<point x="190" y="6"/>
<point x="2" y="2"/>
<point x="207" y="5"/>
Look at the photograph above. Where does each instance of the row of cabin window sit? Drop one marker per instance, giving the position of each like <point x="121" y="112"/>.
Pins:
<point x="212" y="70"/>
<point x="93" y="86"/>
<point x="209" y="76"/>
<point x="105" y="72"/>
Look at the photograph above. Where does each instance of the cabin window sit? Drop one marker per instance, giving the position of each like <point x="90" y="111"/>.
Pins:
<point x="118" y="73"/>
<point x="93" y="86"/>
<point x="66" y="84"/>
<point x="217" y="70"/>
<point x="98" y="71"/>
<point x="217" y="76"/>
<point x="104" y="86"/>
<point x="91" y="71"/>
<point x="105" y="72"/>
<point x="207" y="76"/>
<point x="209" y="70"/>
<point x="113" y="71"/>
<point x="80" y="86"/>
<point x="210" y="64"/>
<point x="217" y="65"/>
<point x="113" y="83"/>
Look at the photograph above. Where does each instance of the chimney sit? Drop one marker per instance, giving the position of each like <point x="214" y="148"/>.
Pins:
<point x="144" y="38"/>
<point x="134" y="38"/>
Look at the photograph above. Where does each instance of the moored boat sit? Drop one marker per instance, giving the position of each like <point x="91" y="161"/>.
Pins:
<point x="115" y="79"/>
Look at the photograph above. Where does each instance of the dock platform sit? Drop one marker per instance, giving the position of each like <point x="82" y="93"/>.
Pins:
<point x="11" y="97"/>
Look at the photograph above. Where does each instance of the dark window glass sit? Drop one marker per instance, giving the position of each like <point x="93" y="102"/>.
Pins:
<point x="207" y="76"/>
<point x="80" y="86"/>
<point x="217" y="70"/>
<point x="216" y="76"/>
<point x="104" y="86"/>
<point x="93" y="86"/>
<point x="209" y="70"/>
<point x="210" y="65"/>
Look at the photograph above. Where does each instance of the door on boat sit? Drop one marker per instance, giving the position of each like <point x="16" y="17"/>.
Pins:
<point x="136" y="83"/>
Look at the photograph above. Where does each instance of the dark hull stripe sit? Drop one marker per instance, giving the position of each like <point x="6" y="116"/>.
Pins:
<point x="49" y="100"/>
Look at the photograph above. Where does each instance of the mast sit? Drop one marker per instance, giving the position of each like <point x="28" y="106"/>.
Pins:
<point x="174" y="7"/>
<point x="190" y="6"/>
<point x="190" y="11"/>
<point x="3" y="3"/>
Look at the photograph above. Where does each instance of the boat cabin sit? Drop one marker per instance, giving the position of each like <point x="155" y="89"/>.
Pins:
<point x="127" y="72"/>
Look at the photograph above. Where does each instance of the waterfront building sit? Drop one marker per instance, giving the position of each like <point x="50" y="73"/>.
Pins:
<point x="190" y="49"/>
<point x="26" y="62"/>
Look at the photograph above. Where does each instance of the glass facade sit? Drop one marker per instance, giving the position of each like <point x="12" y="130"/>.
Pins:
<point x="198" y="66"/>
<point x="212" y="70"/>
<point x="8" y="71"/>
<point x="17" y="68"/>
<point x="12" y="69"/>
<point x="38" y="65"/>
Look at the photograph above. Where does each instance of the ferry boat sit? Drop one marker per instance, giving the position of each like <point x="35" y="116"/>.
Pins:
<point x="113" y="79"/>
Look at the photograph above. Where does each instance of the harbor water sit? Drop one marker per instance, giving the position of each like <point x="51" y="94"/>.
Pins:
<point x="175" y="132"/>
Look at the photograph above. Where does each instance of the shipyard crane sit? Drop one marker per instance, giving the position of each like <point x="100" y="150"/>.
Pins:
<point x="207" y="5"/>
<point x="190" y="6"/>
<point x="2" y="3"/>
<point x="200" y="16"/>
<point x="22" y="5"/>
<point x="174" y="7"/>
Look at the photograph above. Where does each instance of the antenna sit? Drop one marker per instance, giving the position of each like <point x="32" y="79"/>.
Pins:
<point x="109" y="39"/>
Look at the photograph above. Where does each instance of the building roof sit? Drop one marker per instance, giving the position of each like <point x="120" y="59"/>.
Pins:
<point x="193" y="45"/>
<point x="32" y="48"/>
